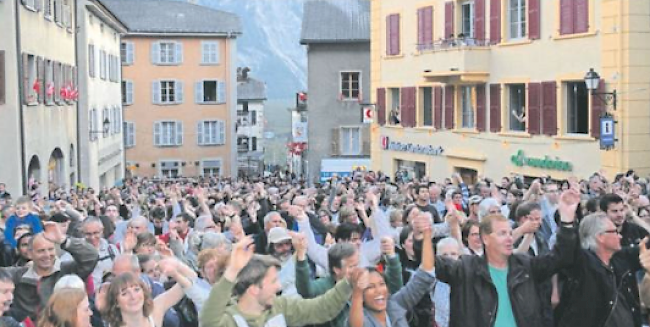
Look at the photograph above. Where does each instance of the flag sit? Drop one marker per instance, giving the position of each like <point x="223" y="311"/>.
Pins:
<point x="64" y="93"/>
<point x="36" y="86"/>
<point x="50" y="89"/>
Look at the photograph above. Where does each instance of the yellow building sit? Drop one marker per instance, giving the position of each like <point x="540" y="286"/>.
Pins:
<point x="495" y="87"/>
<point x="179" y="88"/>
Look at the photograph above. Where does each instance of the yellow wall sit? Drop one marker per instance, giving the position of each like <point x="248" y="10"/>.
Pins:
<point x="144" y="113"/>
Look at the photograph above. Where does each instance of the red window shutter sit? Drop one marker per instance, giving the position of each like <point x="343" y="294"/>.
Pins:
<point x="581" y="12"/>
<point x="479" y="20"/>
<point x="566" y="17"/>
<point x="549" y="108"/>
<point x="495" y="21"/>
<point x="407" y="106"/>
<point x="394" y="35"/>
<point x="421" y="18"/>
<point x="388" y="36"/>
<point x="449" y="107"/>
<point x="598" y="107"/>
<point x="437" y="109"/>
<point x="534" y="104"/>
<point x="480" y="108"/>
<point x="495" y="108"/>
<point x="381" y="106"/>
<point x="533" y="19"/>
<point x="449" y="20"/>
<point x="428" y="26"/>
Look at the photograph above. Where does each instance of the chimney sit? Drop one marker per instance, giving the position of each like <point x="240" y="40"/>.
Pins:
<point x="244" y="73"/>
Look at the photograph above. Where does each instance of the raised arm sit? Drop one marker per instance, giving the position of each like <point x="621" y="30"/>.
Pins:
<point x="356" y="308"/>
<point x="316" y="252"/>
<point x="173" y="268"/>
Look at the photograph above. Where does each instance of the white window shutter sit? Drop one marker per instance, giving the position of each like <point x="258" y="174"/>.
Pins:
<point x="199" y="133"/>
<point x="130" y="55"/>
<point x="132" y="133"/>
<point x="179" y="133"/>
<point x="179" y="53"/>
<point x="155" y="53"/>
<point x="221" y="92"/>
<point x="216" y="52"/>
<point x="129" y="92"/>
<point x="222" y="132"/>
<point x="155" y="92"/>
<point x="205" y="48"/>
<point x="198" y="92"/>
<point x="157" y="134"/>
<point x="179" y="91"/>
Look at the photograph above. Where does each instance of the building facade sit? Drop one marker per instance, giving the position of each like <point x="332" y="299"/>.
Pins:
<point x="497" y="87"/>
<point x="251" y="94"/>
<point x="179" y="88"/>
<point x="337" y="36"/>
<point x="100" y="107"/>
<point x="39" y="94"/>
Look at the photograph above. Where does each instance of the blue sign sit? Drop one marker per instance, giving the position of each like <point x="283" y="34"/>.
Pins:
<point x="607" y="132"/>
<point x="324" y="176"/>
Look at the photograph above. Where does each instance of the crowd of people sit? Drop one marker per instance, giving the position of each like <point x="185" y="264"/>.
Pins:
<point x="359" y="251"/>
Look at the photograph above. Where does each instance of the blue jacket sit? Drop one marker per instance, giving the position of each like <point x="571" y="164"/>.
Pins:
<point x="31" y="219"/>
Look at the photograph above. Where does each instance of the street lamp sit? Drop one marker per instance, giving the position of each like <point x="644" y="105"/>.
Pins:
<point x="106" y="125"/>
<point x="592" y="80"/>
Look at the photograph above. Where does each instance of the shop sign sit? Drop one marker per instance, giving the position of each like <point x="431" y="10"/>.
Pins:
<point x="428" y="150"/>
<point x="520" y="160"/>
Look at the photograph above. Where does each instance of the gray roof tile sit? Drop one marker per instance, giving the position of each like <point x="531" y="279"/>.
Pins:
<point x="147" y="16"/>
<point x="251" y="89"/>
<point x="336" y="21"/>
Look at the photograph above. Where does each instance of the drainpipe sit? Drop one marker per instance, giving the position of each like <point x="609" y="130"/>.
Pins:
<point x="21" y="119"/>
<point x="79" y="74"/>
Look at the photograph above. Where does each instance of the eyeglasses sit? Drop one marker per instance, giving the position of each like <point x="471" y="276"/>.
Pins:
<point x="613" y="231"/>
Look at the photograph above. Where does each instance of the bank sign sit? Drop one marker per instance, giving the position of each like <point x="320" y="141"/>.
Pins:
<point x="428" y="150"/>
<point x="520" y="159"/>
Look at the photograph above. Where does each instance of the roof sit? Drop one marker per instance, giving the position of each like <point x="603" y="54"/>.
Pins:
<point x="336" y="21"/>
<point x="251" y="89"/>
<point x="149" y="16"/>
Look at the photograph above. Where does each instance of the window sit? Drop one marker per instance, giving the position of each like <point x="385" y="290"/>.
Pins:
<point x="129" y="134"/>
<point x="170" y="169"/>
<point x="210" y="92"/>
<point x="105" y="115"/>
<point x="467" y="12"/>
<point x="517" y="18"/>
<point x="253" y="117"/>
<point x="211" y="167"/>
<point x="210" y="52"/>
<point x="253" y="143"/>
<point x="168" y="133"/>
<point x="91" y="60"/>
<point x="392" y="32"/>
<point x="394" y="116"/>
<point x="427" y="106"/>
<point x="49" y="82"/>
<point x="350" y="85"/>
<point x="47" y="9"/>
<point x="92" y="124"/>
<point x="127" y="92"/>
<point x="167" y="53"/>
<point x="102" y="64"/>
<point x="243" y="118"/>
<point x="574" y="16"/>
<point x="350" y="141"/>
<point x="168" y="92"/>
<point x="31" y="4"/>
<point x="58" y="11"/>
<point x="211" y="132"/>
<point x="3" y="95"/>
<point x="517" y="107"/>
<point x="467" y="106"/>
<point x="577" y="108"/>
<point x="126" y="53"/>
<point x="29" y="63"/>
<point x="242" y="144"/>
<point x="58" y="82"/>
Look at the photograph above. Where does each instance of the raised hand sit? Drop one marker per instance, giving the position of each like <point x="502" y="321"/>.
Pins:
<point x="242" y="252"/>
<point x="130" y="240"/>
<point x="299" y="244"/>
<point x="387" y="246"/>
<point x="568" y="204"/>
<point x="52" y="232"/>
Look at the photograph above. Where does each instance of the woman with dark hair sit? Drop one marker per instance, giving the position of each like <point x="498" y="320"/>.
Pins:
<point x="472" y="238"/>
<point x="67" y="307"/>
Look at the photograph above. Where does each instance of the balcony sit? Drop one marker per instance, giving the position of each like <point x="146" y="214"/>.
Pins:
<point x="454" y="61"/>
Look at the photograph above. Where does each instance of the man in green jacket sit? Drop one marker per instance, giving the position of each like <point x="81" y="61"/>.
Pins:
<point x="342" y="257"/>
<point x="253" y="280"/>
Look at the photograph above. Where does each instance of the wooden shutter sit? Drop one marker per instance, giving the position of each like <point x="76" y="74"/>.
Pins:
<point x="495" y="21"/>
<point x="26" y="87"/>
<point x="129" y="92"/>
<point x="157" y="131"/>
<point x="480" y="108"/>
<point x="155" y="53"/>
<point x="40" y="79"/>
<point x="449" y="107"/>
<point x="365" y="141"/>
<point x="199" y="133"/>
<point x="198" y="92"/>
<point x="549" y="108"/>
<point x="533" y="19"/>
<point x="421" y="19"/>
<point x="407" y="104"/>
<point x="57" y="81"/>
<point x="534" y="103"/>
<point x="581" y="12"/>
<point x="222" y="132"/>
<point x="334" y="142"/>
<point x="598" y="107"/>
<point x="381" y="106"/>
<point x="428" y="26"/>
<point x="495" y="108"/>
<point x="388" y="35"/>
<point x="179" y="52"/>
<point x="566" y="17"/>
<point x="437" y="107"/>
<point x="394" y="35"/>
<point x="179" y="133"/>
<point x="3" y="92"/>
<point x="178" y="88"/>
<point x="221" y="92"/>
<point x="130" y="53"/>
<point x="479" y="20"/>
<point x="155" y="92"/>
<point x="449" y="20"/>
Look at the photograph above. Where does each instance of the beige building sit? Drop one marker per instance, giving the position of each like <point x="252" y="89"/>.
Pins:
<point x="179" y="88"/>
<point x="100" y="107"/>
<point x="37" y="94"/>
<point x="495" y="87"/>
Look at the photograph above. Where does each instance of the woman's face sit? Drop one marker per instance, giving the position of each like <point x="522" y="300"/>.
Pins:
<point x="84" y="313"/>
<point x="209" y="271"/>
<point x="131" y="299"/>
<point x="408" y="245"/>
<point x="375" y="297"/>
<point x="324" y="218"/>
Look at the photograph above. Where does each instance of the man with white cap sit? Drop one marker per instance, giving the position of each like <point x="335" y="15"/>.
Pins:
<point x="280" y="247"/>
